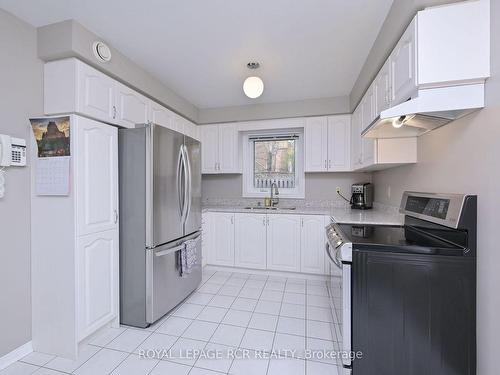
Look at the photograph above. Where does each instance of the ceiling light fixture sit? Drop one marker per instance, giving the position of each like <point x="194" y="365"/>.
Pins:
<point x="253" y="87"/>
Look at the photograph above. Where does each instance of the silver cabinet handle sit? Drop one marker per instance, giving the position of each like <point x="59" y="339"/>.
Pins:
<point x="326" y="167"/>
<point x="264" y="221"/>
<point x="215" y="166"/>
<point x="302" y="221"/>
<point x="114" y="111"/>
<point x="329" y="164"/>
<point x="232" y="219"/>
<point x="115" y="213"/>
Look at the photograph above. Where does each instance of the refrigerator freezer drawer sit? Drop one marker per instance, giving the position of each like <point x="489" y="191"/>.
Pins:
<point x="165" y="286"/>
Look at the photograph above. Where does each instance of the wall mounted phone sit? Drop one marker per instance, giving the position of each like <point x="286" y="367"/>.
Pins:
<point x="12" y="151"/>
<point x="5" y="150"/>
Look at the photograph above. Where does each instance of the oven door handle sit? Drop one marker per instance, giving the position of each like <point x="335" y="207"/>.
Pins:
<point x="333" y="259"/>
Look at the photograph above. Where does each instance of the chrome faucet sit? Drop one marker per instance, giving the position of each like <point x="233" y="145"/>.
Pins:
<point x="274" y="191"/>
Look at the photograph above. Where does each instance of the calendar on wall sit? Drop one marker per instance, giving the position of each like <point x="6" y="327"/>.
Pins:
<point x="52" y="167"/>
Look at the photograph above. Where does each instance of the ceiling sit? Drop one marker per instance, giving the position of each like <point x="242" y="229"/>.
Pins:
<point x="307" y="49"/>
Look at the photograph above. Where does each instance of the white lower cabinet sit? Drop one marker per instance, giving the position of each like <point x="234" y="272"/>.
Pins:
<point x="250" y="233"/>
<point x="312" y="244"/>
<point x="221" y="239"/>
<point x="283" y="242"/>
<point x="279" y="242"/>
<point x="97" y="259"/>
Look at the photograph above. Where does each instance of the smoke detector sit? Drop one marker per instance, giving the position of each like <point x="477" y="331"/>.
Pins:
<point x="101" y="51"/>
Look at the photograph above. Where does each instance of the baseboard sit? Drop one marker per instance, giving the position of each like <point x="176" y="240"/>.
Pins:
<point x="16" y="355"/>
<point x="298" y="275"/>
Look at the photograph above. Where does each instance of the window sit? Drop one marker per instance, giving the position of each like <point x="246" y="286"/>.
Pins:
<point x="273" y="158"/>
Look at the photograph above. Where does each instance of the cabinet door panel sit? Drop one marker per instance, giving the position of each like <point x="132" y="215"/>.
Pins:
<point x="132" y="107"/>
<point x="250" y="241"/>
<point x="356" y="138"/>
<point x="222" y="253"/>
<point x="339" y="141"/>
<point x="228" y="149"/>
<point x="283" y="243"/>
<point x="97" y="256"/>
<point x="209" y="148"/>
<point x="96" y="185"/>
<point x="403" y="60"/>
<point x="312" y="244"/>
<point x="316" y="144"/>
<point x="382" y="89"/>
<point x="96" y="97"/>
<point x="160" y="115"/>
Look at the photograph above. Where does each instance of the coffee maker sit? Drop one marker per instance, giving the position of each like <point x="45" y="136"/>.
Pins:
<point x="362" y="196"/>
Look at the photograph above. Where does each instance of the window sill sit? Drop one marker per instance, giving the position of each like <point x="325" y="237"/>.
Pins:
<point x="295" y="195"/>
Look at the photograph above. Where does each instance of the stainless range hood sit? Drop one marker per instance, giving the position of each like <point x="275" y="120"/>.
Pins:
<point x="430" y="109"/>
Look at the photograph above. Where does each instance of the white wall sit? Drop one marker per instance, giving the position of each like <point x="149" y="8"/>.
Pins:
<point x="20" y="98"/>
<point x="464" y="157"/>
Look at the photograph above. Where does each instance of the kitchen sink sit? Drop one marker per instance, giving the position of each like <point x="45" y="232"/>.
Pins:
<point x="264" y="208"/>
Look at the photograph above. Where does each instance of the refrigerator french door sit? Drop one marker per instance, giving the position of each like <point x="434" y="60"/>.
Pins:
<point x="160" y="209"/>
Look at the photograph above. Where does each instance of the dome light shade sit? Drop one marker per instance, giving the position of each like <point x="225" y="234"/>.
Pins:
<point x="253" y="87"/>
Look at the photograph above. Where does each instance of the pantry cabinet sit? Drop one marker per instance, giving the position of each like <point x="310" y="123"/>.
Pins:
<point x="220" y="151"/>
<point x="75" y="245"/>
<point x="283" y="242"/>
<point x="327" y="143"/>
<point x="250" y="240"/>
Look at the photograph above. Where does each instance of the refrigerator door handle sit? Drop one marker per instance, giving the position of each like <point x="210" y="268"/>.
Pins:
<point x="179" y="182"/>
<point x="169" y="251"/>
<point x="186" y="185"/>
<point x="189" y="189"/>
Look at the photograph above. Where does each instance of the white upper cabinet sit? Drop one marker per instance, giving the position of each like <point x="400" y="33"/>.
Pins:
<point x="96" y="175"/>
<point x="454" y="43"/>
<point x="356" y="138"/>
<point x="316" y="144"/>
<point x="403" y="65"/>
<point x="97" y="95"/>
<point x="209" y="148"/>
<point x="160" y="115"/>
<point x="228" y="149"/>
<point x="382" y="89"/>
<point x="283" y="242"/>
<point x="312" y="244"/>
<point x="250" y="240"/>
<point x="339" y="142"/>
<point x="327" y="143"/>
<point x="131" y="107"/>
<point x="71" y="86"/>
<point x="220" y="151"/>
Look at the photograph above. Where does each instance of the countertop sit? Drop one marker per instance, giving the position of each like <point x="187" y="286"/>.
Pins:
<point x="375" y="216"/>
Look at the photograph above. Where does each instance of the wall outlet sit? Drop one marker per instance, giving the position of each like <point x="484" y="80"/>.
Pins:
<point x="337" y="189"/>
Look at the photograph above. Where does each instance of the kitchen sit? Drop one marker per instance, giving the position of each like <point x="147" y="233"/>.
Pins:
<point x="257" y="175"/>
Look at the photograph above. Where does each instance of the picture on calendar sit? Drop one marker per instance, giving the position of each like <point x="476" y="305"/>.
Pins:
<point x="52" y="136"/>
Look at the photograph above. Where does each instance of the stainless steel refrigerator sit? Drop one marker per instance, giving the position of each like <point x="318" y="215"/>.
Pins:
<point x="160" y="209"/>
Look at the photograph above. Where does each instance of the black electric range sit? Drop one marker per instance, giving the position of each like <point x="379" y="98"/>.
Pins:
<point x="409" y="292"/>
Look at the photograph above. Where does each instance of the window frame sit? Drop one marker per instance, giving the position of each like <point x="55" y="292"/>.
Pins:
<point x="249" y="191"/>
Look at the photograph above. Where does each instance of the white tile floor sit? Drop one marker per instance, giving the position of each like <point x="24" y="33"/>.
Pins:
<point x="229" y="311"/>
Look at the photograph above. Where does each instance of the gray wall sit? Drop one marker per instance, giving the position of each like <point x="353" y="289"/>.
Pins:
<point x="20" y="98"/>
<point x="319" y="186"/>
<point x="70" y="39"/>
<point x="464" y="157"/>
<point x="310" y="107"/>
